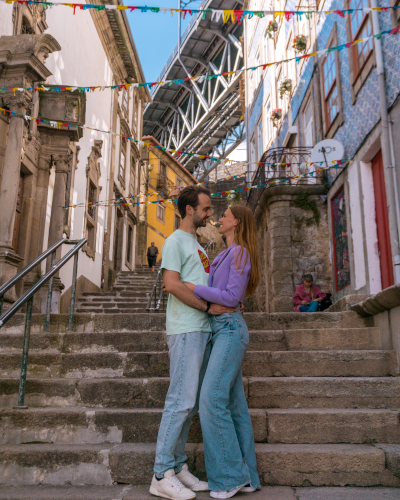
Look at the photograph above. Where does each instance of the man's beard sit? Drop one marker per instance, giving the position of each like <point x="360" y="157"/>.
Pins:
<point x="199" y="221"/>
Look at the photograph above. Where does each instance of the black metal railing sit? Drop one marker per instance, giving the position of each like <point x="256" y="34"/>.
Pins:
<point x="27" y="298"/>
<point x="295" y="163"/>
<point x="157" y="296"/>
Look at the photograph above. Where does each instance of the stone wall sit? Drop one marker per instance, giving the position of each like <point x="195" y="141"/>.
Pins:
<point x="288" y="249"/>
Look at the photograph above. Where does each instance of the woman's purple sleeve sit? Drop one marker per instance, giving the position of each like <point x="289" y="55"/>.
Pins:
<point x="237" y="284"/>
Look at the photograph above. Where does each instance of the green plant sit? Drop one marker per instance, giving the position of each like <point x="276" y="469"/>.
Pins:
<point x="285" y="87"/>
<point x="272" y="28"/>
<point x="300" y="44"/>
<point x="234" y="199"/>
<point x="305" y="202"/>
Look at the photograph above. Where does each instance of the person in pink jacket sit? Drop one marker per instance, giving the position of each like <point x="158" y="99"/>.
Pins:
<point x="307" y="296"/>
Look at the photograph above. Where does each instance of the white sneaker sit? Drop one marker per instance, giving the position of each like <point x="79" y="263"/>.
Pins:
<point x="170" y="487"/>
<point x="225" y="494"/>
<point x="190" y="481"/>
<point x="248" y="489"/>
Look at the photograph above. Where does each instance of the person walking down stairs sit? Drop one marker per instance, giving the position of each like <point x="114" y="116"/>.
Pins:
<point x="152" y="253"/>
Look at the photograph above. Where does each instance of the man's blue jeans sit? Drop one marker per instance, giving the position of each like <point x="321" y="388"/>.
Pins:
<point x="229" y="449"/>
<point x="312" y="307"/>
<point x="189" y="353"/>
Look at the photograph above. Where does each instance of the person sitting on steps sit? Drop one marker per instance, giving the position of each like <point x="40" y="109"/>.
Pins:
<point x="307" y="296"/>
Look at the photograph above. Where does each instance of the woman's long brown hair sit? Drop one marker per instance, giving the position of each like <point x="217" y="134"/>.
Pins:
<point x="246" y="237"/>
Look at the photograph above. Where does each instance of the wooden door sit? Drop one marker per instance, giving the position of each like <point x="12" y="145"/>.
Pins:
<point x="382" y="222"/>
<point x="18" y="210"/>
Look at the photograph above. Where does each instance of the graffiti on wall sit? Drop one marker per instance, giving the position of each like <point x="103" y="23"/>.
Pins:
<point x="340" y="240"/>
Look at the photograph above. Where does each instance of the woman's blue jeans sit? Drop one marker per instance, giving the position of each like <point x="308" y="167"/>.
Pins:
<point x="312" y="307"/>
<point x="229" y="449"/>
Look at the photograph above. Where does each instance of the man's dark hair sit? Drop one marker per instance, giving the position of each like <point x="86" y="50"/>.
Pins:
<point x="190" y="196"/>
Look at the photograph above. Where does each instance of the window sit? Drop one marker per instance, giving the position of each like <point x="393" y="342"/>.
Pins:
<point x="161" y="212"/>
<point x="331" y="101"/>
<point x="162" y="176"/>
<point x="122" y="159"/>
<point x="132" y="180"/>
<point x="268" y="123"/>
<point x="360" y="27"/>
<point x="177" y="221"/>
<point x="179" y="182"/>
<point x="308" y="125"/>
<point x="91" y="199"/>
<point x="253" y="153"/>
<point x="257" y="71"/>
<point x="260" y="144"/>
<point x="266" y="47"/>
<point x="129" y="245"/>
<point x="251" y="86"/>
<point x="125" y="101"/>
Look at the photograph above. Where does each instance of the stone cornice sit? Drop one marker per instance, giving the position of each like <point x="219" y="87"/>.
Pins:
<point x="382" y="301"/>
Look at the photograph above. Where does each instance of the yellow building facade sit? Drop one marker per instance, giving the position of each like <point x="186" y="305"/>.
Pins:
<point x="161" y="173"/>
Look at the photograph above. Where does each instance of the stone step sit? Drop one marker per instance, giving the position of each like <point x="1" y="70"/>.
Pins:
<point x="278" y="464"/>
<point x="116" y="298"/>
<point x="145" y="333"/>
<point x="116" y="304"/>
<point x="290" y="392"/>
<point x="132" y="310"/>
<point x="282" y="322"/>
<point x="94" y="426"/>
<point x="319" y="426"/>
<point x="321" y="392"/>
<point x="115" y="492"/>
<point x="156" y="364"/>
<point x="286" y="426"/>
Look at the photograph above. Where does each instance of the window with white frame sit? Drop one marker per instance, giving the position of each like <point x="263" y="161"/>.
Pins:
<point x="308" y="125"/>
<point x="258" y="70"/>
<point x="266" y="48"/>
<point x="251" y="86"/>
<point x="161" y="212"/>
<point x="268" y="122"/>
<point x="253" y="153"/>
<point x="260" y="142"/>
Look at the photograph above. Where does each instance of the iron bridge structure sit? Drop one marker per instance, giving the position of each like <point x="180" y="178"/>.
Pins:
<point x="203" y="117"/>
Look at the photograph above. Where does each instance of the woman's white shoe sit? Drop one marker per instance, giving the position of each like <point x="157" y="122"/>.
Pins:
<point x="191" y="481"/>
<point x="248" y="489"/>
<point x="225" y="494"/>
<point x="170" y="487"/>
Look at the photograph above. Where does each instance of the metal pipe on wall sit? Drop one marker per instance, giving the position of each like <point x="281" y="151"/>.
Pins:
<point x="390" y="175"/>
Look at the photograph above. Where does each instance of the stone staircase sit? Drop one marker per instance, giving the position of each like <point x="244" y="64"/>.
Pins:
<point x="129" y="294"/>
<point x="323" y="396"/>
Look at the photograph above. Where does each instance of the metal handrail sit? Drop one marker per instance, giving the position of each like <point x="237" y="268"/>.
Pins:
<point x="161" y="295"/>
<point x="4" y="289"/>
<point x="27" y="298"/>
<point x="209" y="243"/>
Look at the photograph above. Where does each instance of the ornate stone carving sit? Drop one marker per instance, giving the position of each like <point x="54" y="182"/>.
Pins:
<point x="18" y="103"/>
<point x="62" y="162"/>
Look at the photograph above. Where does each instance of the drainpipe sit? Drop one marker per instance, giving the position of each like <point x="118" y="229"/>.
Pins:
<point x="387" y="154"/>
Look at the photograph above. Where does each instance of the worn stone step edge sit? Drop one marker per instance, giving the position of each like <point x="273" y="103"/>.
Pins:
<point x="291" y="426"/>
<point x="156" y="364"/>
<point x="359" y="465"/>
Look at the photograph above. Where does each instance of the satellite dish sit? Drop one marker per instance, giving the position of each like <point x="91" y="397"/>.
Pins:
<point x="327" y="150"/>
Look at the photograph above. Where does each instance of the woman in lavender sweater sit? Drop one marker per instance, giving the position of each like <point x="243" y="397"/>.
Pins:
<point x="225" y="420"/>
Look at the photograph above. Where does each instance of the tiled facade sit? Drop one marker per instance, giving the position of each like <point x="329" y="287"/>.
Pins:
<point x="357" y="128"/>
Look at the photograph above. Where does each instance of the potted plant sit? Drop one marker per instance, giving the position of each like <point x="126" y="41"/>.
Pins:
<point x="300" y="44"/>
<point x="272" y="28"/>
<point x="276" y="115"/>
<point x="285" y="87"/>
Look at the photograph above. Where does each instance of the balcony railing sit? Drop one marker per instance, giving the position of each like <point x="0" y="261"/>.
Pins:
<point x="296" y="160"/>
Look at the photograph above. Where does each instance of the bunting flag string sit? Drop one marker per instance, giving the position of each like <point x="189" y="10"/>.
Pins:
<point x="164" y="191"/>
<point x="127" y="201"/>
<point x="216" y="14"/>
<point x="200" y="78"/>
<point x="61" y="125"/>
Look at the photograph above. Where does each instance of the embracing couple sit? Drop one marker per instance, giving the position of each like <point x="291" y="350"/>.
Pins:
<point x="207" y="340"/>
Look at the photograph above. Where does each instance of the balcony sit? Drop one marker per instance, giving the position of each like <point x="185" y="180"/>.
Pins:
<point x="296" y="157"/>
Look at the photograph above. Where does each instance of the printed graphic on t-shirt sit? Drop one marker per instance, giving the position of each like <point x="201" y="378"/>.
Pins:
<point x="204" y="261"/>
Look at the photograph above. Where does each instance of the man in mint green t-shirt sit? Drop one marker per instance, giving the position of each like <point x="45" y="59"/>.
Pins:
<point x="188" y="331"/>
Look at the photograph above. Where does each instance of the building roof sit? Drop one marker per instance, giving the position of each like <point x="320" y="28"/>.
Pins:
<point x="167" y="153"/>
<point x="126" y="45"/>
